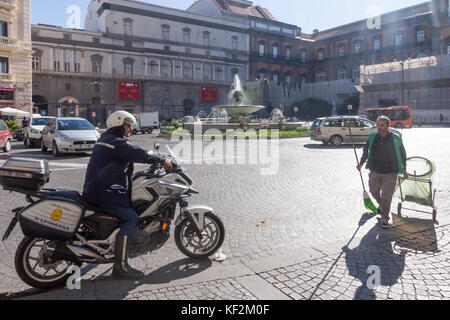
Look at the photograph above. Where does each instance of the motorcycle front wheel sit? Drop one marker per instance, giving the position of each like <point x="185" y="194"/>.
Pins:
<point x="190" y="244"/>
<point x="33" y="270"/>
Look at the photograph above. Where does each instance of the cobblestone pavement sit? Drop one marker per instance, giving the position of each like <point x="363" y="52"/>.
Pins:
<point x="313" y="202"/>
<point x="412" y="267"/>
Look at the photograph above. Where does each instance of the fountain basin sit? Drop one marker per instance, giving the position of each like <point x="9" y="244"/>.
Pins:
<point x="240" y="110"/>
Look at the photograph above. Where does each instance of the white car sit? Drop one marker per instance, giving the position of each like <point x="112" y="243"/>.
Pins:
<point x="33" y="133"/>
<point x="69" y="135"/>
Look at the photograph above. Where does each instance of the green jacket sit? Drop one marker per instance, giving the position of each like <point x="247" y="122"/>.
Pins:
<point x="400" y="153"/>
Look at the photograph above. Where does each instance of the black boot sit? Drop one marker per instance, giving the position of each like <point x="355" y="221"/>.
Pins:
<point x="139" y="238"/>
<point x="121" y="269"/>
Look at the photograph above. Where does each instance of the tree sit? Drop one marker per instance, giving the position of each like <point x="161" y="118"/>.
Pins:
<point x="312" y="108"/>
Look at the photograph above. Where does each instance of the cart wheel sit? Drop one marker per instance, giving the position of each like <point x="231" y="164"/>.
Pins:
<point x="399" y="209"/>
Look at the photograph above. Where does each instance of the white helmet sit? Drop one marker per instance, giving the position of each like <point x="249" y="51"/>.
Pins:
<point x="118" y="118"/>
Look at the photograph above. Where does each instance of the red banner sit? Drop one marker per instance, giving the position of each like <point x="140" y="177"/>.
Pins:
<point x="129" y="90"/>
<point x="209" y="94"/>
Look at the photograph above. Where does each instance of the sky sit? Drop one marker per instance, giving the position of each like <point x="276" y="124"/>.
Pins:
<point x="307" y="14"/>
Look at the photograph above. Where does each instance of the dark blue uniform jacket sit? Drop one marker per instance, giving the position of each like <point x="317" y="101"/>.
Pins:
<point x="108" y="177"/>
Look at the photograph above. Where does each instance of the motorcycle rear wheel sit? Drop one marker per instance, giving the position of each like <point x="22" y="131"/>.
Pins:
<point x="26" y="266"/>
<point x="190" y="245"/>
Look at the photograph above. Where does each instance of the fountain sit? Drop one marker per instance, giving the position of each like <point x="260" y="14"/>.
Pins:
<point x="236" y="115"/>
<point x="238" y="107"/>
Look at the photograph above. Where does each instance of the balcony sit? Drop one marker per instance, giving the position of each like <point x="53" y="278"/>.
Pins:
<point x="6" y="77"/>
<point x="7" y="4"/>
<point x="8" y="44"/>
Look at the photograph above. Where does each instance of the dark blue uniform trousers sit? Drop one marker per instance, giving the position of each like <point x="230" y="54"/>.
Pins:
<point x="128" y="216"/>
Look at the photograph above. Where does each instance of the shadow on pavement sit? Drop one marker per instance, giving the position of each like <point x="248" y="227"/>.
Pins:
<point x="388" y="256"/>
<point x="107" y="287"/>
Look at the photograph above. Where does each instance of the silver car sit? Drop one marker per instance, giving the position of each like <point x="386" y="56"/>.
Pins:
<point x="334" y="130"/>
<point x="69" y="135"/>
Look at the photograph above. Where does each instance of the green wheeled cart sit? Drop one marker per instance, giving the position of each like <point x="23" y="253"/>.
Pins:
<point x="418" y="187"/>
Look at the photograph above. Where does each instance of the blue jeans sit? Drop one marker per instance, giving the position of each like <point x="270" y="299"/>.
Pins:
<point x="127" y="216"/>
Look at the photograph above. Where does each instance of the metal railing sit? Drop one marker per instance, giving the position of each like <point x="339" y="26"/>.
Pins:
<point x="8" y="41"/>
<point x="6" y="77"/>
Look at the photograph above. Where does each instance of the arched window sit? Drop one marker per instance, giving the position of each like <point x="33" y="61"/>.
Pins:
<point x="420" y="34"/>
<point x="342" y="73"/>
<point x="303" y="55"/>
<point x="275" y="76"/>
<point x="166" y="69"/>
<point x="275" y="50"/>
<point x="341" y="50"/>
<point x="320" y="54"/>
<point x="376" y="43"/>
<point x="288" y="77"/>
<point x="321" y="76"/>
<point x="262" y="48"/>
<point x="207" y="72"/>
<point x="188" y="70"/>
<point x="357" y="46"/>
<point x="288" y="52"/>
<point x="128" y="64"/>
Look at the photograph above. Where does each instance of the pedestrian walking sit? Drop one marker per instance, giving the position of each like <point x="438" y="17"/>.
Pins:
<point x="386" y="159"/>
<point x="441" y="118"/>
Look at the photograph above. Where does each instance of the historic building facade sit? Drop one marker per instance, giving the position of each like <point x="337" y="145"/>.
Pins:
<point x="139" y="57"/>
<point x="15" y="54"/>
<point x="143" y="57"/>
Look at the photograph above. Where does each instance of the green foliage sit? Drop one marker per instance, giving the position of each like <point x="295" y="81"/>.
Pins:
<point x="302" y="129"/>
<point x="312" y="108"/>
<point x="175" y="125"/>
<point x="12" y="125"/>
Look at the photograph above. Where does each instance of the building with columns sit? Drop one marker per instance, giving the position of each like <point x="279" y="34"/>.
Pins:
<point x="15" y="55"/>
<point x="138" y="57"/>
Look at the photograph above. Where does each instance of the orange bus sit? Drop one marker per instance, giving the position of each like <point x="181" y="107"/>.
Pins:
<point x="401" y="117"/>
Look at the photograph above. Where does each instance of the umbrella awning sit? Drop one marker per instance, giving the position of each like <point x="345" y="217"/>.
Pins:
<point x="13" y="112"/>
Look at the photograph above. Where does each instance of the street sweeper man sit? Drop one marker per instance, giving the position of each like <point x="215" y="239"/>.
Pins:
<point x="386" y="159"/>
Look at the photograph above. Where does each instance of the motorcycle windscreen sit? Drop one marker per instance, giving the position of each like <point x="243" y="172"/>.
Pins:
<point x="52" y="219"/>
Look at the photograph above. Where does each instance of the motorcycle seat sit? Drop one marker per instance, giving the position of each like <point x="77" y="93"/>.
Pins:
<point x="76" y="196"/>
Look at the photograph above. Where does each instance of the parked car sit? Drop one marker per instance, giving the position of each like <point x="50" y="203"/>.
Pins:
<point x="5" y="137"/>
<point x="69" y="135"/>
<point x="33" y="133"/>
<point x="334" y="130"/>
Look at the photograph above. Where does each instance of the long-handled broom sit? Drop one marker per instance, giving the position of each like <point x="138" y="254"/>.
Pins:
<point x="367" y="200"/>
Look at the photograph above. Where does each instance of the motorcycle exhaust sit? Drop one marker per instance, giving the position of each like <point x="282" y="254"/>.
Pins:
<point x="66" y="252"/>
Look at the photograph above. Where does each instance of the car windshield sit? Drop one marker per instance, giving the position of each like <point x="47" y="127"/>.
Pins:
<point x="76" y="124"/>
<point x="40" y="121"/>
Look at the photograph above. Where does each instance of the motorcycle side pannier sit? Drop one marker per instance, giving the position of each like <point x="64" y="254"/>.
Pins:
<point x="27" y="174"/>
<point x="52" y="219"/>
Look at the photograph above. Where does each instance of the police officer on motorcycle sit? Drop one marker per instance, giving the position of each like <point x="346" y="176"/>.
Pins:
<point x="108" y="185"/>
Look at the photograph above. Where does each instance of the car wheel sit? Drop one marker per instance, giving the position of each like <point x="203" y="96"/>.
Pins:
<point x="399" y="125"/>
<point x="336" y="140"/>
<point x="55" y="150"/>
<point x="7" y="147"/>
<point x="43" y="147"/>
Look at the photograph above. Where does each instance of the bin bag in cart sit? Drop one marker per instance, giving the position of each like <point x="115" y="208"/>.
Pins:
<point x="26" y="174"/>
<point x="52" y="219"/>
<point x="418" y="188"/>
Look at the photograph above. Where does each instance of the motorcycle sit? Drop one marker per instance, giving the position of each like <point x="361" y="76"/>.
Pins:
<point x="62" y="230"/>
<point x="18" y="135"/>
